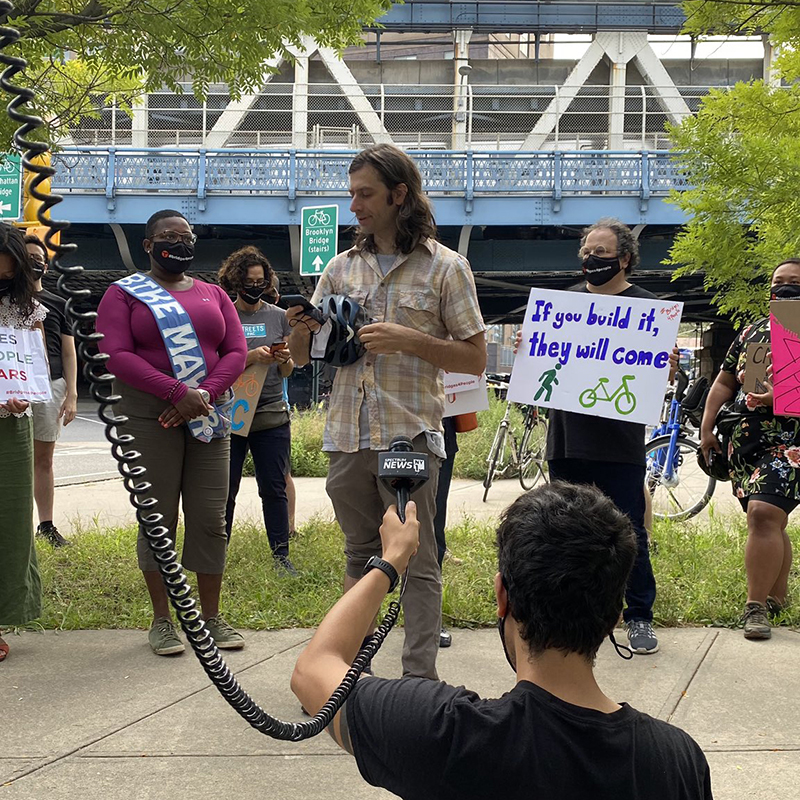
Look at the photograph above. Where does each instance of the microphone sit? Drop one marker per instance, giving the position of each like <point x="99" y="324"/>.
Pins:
<point x="403" y="471"/>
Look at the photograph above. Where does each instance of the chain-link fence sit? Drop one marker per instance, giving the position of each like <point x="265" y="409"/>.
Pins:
<point x="429" y="117"/>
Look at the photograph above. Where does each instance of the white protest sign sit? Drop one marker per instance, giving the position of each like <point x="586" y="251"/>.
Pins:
<point x="603" y="355"/>
<point x="455" y="382"/>
<point x="24" y="374"/>
<point x="469" y="401"/>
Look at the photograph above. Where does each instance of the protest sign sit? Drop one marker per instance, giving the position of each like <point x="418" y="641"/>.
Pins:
<point x="784" y="326"/>
<point x="466" y="401"/>
<point x="246" y="392"/>
<point x="755" y="367"/>
<point x="603" y="355"/>
<point x="24" y="374"/>
<point x="455" y="382"/>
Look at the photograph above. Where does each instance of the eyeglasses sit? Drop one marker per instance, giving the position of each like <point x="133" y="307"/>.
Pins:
<point x="598" y="251"/>
<point x="40" y="261"/>
<point x="173" y="236"/>
<point x="261" y="285"/>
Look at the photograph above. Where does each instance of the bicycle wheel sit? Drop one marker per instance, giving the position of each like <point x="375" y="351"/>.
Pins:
<point x="679" y="488"/>
<point x="531" y="453"/>
<point x="495" y="458"/>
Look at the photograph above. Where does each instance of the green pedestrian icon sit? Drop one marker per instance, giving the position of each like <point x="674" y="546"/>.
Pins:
<point x="547" y="381"/>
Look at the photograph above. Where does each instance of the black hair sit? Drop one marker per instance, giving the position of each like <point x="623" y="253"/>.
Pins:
<point x="32" y="238"/>
<point x="565" y="552"/>
<point x="23" y="284"/>
<point x="627" y="244"/>
<point x="795" y="261"/>
<point x="165" y="213"/>
<point x="415" y="218"/>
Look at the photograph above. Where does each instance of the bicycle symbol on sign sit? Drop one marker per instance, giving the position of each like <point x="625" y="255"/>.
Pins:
<point x="319" y="218"/>
<point x="623" y="398"/>
<point x="8" y="166"/>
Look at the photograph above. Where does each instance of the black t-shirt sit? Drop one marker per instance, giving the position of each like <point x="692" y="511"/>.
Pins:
<point x="425" y="740"/>
<point x="571" y="435"/>
<point x="55" y="324"/>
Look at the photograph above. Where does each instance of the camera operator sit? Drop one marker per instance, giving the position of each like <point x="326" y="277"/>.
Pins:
<point x="564" y="554"/>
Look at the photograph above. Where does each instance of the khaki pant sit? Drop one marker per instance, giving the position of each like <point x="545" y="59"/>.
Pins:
<point x="359" y="501"/>
<point x="181" y="469"/>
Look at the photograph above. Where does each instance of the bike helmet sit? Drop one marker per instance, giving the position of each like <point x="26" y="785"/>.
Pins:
<point x="347" y="317"/>
<point x="719" y="468"/>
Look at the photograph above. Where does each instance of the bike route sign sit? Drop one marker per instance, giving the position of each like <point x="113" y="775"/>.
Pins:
<point x="319" y="238"/>
<point x="596" y="354"/>
<point x="10" y="186"/>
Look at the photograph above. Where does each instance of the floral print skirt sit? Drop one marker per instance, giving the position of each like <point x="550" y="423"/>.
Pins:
<point x="764" y="454"/>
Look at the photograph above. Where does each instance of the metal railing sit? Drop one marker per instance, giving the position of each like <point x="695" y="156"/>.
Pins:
<point x="423" y="116"/>
<point x="117" y="171"/>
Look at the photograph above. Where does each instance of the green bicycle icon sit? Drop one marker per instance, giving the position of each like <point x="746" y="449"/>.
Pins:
<point x="623" y="398"/>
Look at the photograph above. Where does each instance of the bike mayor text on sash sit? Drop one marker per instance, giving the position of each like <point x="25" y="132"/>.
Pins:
<point x="603" y="355"/>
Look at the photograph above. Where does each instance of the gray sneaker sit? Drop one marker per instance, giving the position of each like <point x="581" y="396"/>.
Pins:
<point x="163" y="637"/>
<point x="225" y="637"/>
<point x="641" y="637"/>
<point x="756" y="623"/>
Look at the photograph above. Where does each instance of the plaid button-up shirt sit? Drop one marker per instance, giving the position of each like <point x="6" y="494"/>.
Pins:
<point x="431" y="290"/>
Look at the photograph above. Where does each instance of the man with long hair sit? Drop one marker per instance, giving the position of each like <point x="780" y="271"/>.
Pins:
<point x="564" y="554"/>
<point x="422" y="300"/>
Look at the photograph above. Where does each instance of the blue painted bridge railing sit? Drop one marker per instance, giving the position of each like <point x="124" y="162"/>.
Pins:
<point x="290" y="176"/>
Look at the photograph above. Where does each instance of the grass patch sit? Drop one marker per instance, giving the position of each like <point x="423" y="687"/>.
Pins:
<point x="95" y="583"/>
<point x="308" y="460"/>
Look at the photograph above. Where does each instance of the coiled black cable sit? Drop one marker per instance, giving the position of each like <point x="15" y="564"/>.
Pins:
<point x="101" y="382"/>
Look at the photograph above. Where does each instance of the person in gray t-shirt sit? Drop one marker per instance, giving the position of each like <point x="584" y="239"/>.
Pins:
<point x="248" y="274"/>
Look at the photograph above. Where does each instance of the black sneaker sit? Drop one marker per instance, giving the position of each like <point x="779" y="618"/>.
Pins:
<point x="283" y="564"/>
<point x="50" y="534"/>
<point x="641" y="637"/>
<point x="774" y="607"/>
<point x="756" y="623"/>
<point x="445" y="638"/>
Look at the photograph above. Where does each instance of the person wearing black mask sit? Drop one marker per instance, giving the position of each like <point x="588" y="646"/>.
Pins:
<point x="175" y="347"/>
<point x="764" y="454"/>
<point x="248" y="275"/>
<point x="610" y="453"/>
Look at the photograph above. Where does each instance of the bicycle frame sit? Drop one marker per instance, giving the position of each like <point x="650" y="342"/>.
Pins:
<point x="666" y="462"/>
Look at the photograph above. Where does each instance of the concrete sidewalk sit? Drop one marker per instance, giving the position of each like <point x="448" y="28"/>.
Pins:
<point x="93" y="714"/>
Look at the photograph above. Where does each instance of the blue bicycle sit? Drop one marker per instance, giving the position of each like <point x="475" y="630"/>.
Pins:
<point x="678" y="487"/>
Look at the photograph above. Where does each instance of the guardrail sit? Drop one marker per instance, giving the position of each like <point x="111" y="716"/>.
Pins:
<point x="292" y="173"/>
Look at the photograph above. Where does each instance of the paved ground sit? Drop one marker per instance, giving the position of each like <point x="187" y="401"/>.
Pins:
<point x="93" y="714"/>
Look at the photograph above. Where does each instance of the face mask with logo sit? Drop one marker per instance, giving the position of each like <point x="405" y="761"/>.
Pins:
<point x="251" y="296"/>
<point x="785" y="291"/>
<point x="5" y="285"/>
<point x="173" y="257"/>
<point x="599" y="271"/>
<point x="38" y="272"/>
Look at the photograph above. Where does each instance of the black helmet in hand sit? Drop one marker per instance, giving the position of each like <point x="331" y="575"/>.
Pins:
<point x="347" y="317"/>
<point x="719" y="468"/>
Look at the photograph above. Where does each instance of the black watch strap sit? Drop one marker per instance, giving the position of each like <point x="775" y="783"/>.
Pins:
<point x="384" y="566"/>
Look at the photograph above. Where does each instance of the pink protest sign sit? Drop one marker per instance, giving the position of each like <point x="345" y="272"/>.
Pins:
<point x="784" y="322"/>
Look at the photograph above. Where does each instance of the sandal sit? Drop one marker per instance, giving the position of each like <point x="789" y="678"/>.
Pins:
<point x="3" y="649"/>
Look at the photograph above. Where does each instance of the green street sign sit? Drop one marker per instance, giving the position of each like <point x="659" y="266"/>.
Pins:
<point x="10" y="186"/>
<point x="319" y="237"/>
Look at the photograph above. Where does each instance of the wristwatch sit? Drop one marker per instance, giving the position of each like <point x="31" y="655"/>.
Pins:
<point x="384" y="566"/>
<point x="205" y="395"/>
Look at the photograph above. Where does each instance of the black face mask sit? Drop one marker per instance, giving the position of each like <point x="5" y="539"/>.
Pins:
<point x="174" y="258"/>
<point x="599" y="271"/>
<point x="785" y="291"/>
<point x="38" y="273"/>
<point x="251" y="296"/>
<point x="5" y="285"/>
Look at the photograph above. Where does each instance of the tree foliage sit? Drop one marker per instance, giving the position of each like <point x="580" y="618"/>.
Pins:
<point x="81" y="51"/>
<point x="741" y="155"/>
